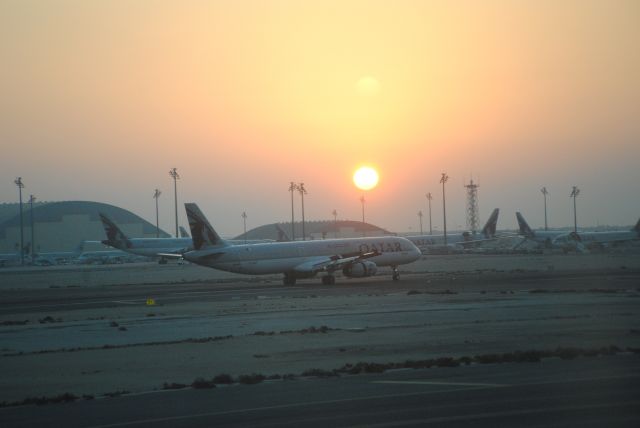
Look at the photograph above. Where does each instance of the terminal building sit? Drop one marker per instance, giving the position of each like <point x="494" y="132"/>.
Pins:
<point x="62" y="226"/>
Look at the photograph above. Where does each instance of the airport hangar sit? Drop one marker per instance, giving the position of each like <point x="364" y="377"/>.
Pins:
<point x="62" y="226"/>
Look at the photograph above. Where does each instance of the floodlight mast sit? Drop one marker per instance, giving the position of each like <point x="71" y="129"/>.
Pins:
<point x="443" y="180"/>
<point x="174" y="174"/>
<point x="292" y="188"/>
<point x="574" y="194"/>
<point x="303" y="192"/>
<point x="429" y="197"/>
<point x="545" y="193"/>
<point x="244" y="220"/>
<point x="20" y="184"/>
<point x="362" y="201"/>
<point x="32" y="199"/>
<point x="335" y="223"/>
<point x="420" y="217"/>
<point x="472" y="206"/>
<point x="156" y="196"/>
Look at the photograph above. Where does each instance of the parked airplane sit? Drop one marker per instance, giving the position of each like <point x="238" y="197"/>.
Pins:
<point x="356" y="257"/>
<point x="162" y="248"/>
<point x="106" y="257"/>
<point x="589" y="240"/>
<point x="10" y="259"/>
<point x="149" y="247"/>
<point x="542" y="237"/>
<point x="45" y="258"/>
<point x="457" y="241"/>
<point x="184" y="233"/>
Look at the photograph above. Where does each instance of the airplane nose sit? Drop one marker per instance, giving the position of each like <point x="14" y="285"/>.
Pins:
<point x="416" y="253"/>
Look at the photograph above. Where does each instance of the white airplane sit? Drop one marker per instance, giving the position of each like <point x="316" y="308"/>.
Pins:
<point x="543" y="238"/>
<point x="459" y="241"/>
<point x="589" y="240"/>
<point x="356" y="257"/>
<point x="149" y="247"/>
<point x="105" y="257"/>
<point x="162" y="248"/>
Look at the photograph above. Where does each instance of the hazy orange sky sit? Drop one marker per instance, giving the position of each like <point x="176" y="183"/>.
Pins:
<point x="99" y="99"/>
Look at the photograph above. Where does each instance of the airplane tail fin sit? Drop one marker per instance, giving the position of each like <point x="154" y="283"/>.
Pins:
<point x="489" y="229"/>
<point x="524" y="227"/>
<point x="282" y="235"/>
<point x="183" y="232"/>
<point x="202" y="234"/>
<point x="636" y="228"/>
<point x="78" y="250"/>
<point x="115" y="237"/>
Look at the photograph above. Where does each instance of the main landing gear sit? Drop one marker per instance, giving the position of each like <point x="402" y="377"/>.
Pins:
<point x="396" y="275"/>
<point x="289" y="279"/>
<point x="328" y="280"/>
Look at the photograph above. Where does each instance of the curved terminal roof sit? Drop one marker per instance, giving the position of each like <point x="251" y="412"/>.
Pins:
<point x="51" y="212"/>
<point x="314" y="229"/>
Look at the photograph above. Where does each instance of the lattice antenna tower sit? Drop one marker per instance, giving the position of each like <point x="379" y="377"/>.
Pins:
<point x="472" y="206"/>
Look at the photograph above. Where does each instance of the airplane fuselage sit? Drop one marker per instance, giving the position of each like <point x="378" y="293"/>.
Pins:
<point x="587" y="238"/>
<point x="279" y="257"/>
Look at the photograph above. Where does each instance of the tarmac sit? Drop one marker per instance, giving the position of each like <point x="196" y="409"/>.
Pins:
<point x="96" y="330"/>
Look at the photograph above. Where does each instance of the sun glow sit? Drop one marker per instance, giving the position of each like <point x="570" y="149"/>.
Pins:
<point x="365" y="178"/>
<point x="368" y="86"/>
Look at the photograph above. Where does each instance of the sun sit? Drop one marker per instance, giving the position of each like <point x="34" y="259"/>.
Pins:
<point x="365" y="178"/>
<point x="368" y="86"/>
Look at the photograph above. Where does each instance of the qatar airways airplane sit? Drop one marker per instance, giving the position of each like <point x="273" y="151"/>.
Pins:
<point x="356" y="257"/>
<point x="541" y="237"/>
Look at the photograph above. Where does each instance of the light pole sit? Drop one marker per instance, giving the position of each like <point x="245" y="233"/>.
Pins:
<point x="292" y="188"/>
<point x="545" y="193"/>
<point x="32" y="199"/>
<point x="156" y="196"/>
<point x="420" y="217"/>
<point x="244" y="220"/>
<point x="303" y="192"/>
<point x="20" y="185"/>
<point x="362" y="201"/>
<point x="335" y="223"/>
<point x="174" y="174"/>
<point x="429" y="197"/>
<point x="574" y="194"/>
<point x="443" y="180"/>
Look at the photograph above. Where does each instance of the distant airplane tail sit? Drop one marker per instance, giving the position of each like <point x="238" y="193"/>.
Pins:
<point x="115" y="237"/>
<point x="183" y="232"/>
<point x="282" y="235"/>
<point x="524" y="227"/>
<point x="202" y="234"/>
<point x="80" y="248"/>
<point x="636" y="228"/>
<point x="489" y="229"/>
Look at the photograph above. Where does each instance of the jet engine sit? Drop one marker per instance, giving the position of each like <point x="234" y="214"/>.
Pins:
<point x="360" y="269"/>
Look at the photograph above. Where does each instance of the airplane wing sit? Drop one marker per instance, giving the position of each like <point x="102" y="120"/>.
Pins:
<point x="332" y="263"/>
<point x="180" y="255"/>
<point x="170" y="255"/>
